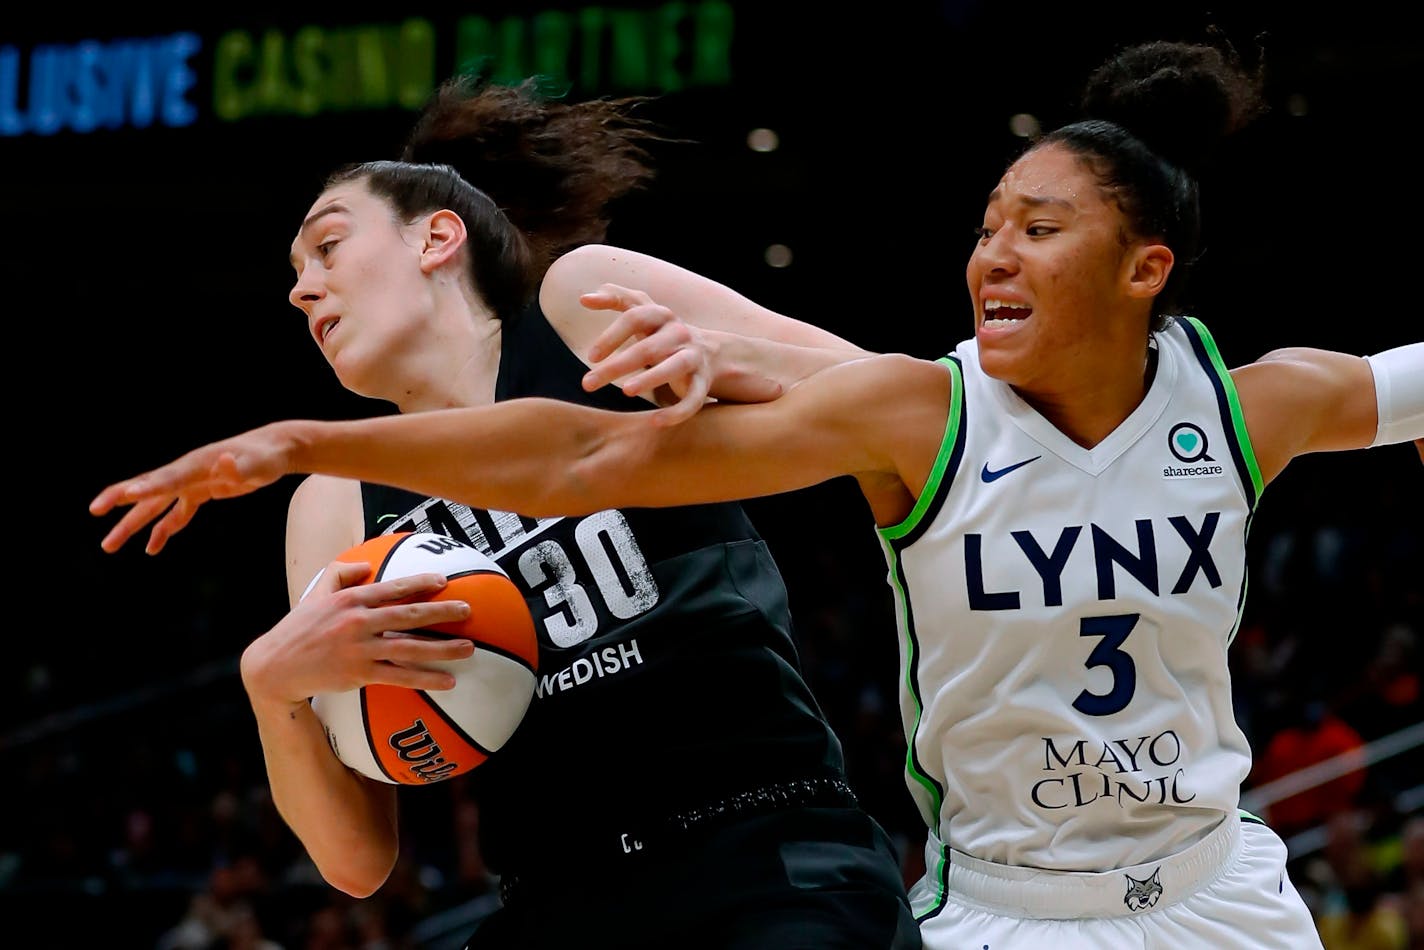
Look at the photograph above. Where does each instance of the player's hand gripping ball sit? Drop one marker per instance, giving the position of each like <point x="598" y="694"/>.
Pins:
<point x="409" y="736"/>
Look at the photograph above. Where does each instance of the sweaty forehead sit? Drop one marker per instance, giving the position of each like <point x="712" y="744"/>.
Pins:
<point x="1044" y="176"/>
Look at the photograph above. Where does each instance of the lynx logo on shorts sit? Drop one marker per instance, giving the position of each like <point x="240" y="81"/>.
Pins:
<point x="1143" y="894"/>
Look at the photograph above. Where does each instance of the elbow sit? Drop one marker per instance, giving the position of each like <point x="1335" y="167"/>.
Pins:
<point x="358" y="879"/>
<point x="354" y="889"/>
<point x="358" y="868"/>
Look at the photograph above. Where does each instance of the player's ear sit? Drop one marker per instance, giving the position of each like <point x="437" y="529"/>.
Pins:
<point x="443" y="237"/>
<point x="1147" y="270"/>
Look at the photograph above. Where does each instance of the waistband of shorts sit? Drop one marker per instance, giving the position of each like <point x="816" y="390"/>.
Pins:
<point x="1123" y="892"/>
<point x="627" y="842"/>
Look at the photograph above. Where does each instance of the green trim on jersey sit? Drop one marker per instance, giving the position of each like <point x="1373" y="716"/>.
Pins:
<point x="1243" y="813"/>
<point x="931" y="787"/>
<point x="941" y="463"/>
<point x="1242" y="452"/>
<point x="937" y="483"/>
<point x="1238" y="419"/>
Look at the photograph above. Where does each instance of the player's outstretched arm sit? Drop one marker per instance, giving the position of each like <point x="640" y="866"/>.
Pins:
<point x="545" y="457"/>
<point x="1301" y="400"/>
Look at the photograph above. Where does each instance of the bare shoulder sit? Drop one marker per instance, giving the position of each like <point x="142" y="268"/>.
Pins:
<point x="892" y="374"/>
<point x="896" y="405"/>
<point x="324" y="518"/>
<point x="321" y="497"/>
<point x="581" y="271"/>
<point x="1297" y="400"/>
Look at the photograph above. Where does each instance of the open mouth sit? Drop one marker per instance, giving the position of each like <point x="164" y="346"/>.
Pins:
<point x="1001" y="313"/>
<point x="325" y="328"/>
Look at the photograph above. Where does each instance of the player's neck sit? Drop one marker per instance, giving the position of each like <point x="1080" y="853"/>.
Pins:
<point x="1089" y="408"/>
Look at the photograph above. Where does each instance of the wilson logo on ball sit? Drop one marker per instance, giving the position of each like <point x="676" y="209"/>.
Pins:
<point x="414" y="745"/>
<point x="416" y="737"/>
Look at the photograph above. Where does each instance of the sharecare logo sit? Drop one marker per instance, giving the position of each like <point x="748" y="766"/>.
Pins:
<point x="1187" y="443"/>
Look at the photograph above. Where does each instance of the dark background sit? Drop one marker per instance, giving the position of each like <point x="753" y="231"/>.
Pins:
<point x="145" y="282"/>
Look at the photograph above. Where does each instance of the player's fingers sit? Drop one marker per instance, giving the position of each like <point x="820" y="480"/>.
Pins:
<point x="413" y="650"/>
<point x="171" y="523"/>
<point x="632" y="359"/>
<point x="132" y="522"/>
<point x="644" y="320"/>
<point x="686" y="407"/>
<point x="619" y="336"/>
<point x="341" y="574"/>
<point x="676" y="370"/>
<point x="394" y="674"/>
<point x="170" y="479"/>
<point x="159" y="534"/>
<point x="422" y="613"/>
<point x="380" y="593"/>
<point x="613" y="297"/>
<point x="104" y="502"/>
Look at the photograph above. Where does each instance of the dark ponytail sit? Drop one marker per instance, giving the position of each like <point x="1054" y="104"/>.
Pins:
<point x="553" y="167"/>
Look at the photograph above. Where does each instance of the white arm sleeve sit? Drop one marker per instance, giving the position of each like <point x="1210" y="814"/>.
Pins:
<point x="1399" y="393"/>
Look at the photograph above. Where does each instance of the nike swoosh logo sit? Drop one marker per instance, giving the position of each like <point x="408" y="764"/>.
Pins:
<point x="989" y="475"/>
<point x="384" y="517"/>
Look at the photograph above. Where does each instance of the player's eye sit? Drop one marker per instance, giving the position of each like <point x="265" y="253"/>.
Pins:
<point x="324" y="248"/>
<point x="1041" y="230"/>
<point x="983" y="233"/>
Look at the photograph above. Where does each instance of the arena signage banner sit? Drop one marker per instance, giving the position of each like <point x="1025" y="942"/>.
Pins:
<point x="186" y="78"/>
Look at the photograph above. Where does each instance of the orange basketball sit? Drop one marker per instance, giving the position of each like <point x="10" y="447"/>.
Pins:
<point x="414" y="737"/>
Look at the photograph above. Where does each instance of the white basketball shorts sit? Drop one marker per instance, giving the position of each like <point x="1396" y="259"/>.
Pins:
<point x="1229" y="891"/>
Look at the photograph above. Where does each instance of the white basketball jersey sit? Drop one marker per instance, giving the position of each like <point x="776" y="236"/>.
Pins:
<point x="1064" y="617"/>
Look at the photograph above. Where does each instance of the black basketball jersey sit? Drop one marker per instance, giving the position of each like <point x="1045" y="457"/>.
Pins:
<point x="668" y="677"/>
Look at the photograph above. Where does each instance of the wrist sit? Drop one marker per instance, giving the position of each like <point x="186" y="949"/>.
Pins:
<point x="264" y="699"/>
<point x="1399" y="393"/>
<point x="725" y="358"/>
<point x="296" y="440"/>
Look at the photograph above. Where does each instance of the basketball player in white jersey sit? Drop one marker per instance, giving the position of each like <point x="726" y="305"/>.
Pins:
<point x="1063" y="502"/>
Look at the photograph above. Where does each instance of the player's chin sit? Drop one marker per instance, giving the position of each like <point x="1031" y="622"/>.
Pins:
<point x="1002" y="355"/>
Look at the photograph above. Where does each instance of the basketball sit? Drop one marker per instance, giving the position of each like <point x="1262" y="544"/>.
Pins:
<point x="408" y="736"/>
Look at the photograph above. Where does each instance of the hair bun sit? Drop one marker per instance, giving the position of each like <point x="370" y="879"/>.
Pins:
<point x="1180" y="99"/>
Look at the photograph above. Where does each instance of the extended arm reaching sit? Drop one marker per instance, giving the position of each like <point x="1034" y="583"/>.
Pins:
<point x="546" y="457"/>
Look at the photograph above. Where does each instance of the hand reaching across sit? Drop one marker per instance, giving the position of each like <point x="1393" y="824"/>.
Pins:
<point x="173" y="493"/>
<point x="647" y="347"/>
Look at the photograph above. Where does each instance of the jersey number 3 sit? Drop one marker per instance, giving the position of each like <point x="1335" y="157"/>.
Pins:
<point x="1109" y="652"/>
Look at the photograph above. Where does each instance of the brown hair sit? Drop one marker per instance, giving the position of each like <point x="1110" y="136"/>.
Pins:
<point x="553" y="167"/>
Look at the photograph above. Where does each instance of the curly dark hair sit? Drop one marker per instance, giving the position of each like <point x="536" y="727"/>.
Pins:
<point x="1153" y="117"/>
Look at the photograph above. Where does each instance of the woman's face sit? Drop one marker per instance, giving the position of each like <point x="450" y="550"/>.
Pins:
<point x="1046" y="277"/>
<point x="360" y="284"/>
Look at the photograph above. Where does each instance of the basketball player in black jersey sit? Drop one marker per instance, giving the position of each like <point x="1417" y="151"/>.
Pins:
<point x="674" y="783"/>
